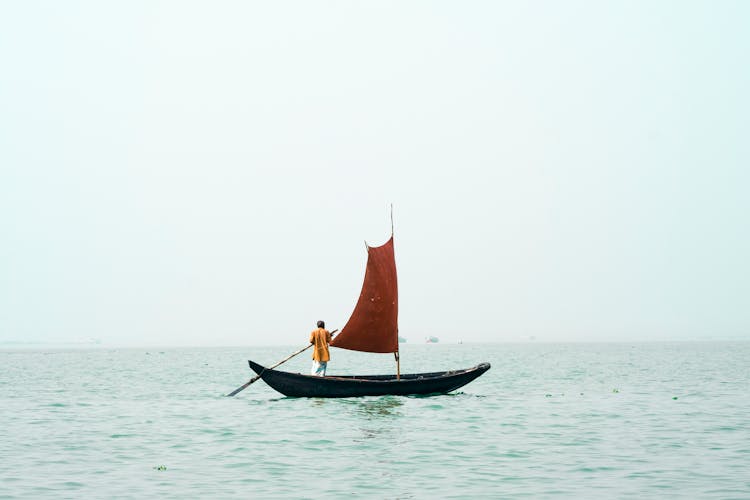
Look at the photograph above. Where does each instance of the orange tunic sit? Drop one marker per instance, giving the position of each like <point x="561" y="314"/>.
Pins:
<point x="320" y="338"/>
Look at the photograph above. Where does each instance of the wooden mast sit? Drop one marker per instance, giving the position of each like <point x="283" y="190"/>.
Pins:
<point x="396" y="354"/>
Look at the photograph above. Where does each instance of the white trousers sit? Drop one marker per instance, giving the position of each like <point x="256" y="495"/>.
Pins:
<point x="319" y="368"/>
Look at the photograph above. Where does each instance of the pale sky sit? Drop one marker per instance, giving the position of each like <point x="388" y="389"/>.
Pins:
<point x="206" y="173"/>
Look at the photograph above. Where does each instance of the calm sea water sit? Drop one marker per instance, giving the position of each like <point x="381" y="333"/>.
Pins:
<point x="548" y="420"/>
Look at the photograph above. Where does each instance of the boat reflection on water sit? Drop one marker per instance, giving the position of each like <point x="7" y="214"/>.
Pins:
<point x="380" y="407"/>
<point x="379" y="416"/>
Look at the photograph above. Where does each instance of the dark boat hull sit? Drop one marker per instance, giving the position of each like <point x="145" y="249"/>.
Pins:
<point x="298" y="385"/>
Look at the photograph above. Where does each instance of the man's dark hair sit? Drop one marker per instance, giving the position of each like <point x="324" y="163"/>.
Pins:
<point x="321" y="324"/>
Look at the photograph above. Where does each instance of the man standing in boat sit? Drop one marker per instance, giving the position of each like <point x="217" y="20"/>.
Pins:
<point x="320" y="338"/>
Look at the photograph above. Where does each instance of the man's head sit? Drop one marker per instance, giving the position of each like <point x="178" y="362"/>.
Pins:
<point x="321" y="324"/>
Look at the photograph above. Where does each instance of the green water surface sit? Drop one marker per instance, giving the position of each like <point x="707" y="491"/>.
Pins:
<point x="548" y="420"/>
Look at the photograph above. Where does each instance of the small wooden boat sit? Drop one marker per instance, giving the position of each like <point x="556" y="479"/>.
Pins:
<point x="344" y="386"/>
<point x="372" y="327"/>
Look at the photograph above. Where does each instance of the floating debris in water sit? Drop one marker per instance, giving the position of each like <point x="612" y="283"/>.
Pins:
<point x="548" y="395"/>
<point x="674" y="397"/>
<point x="160" y="467"/>
<point x="615" y="391"/>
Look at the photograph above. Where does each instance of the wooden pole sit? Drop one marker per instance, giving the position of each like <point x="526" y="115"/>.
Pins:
<point x="391" y="220"/>
<point x="398" y="360"/>
<point x="255" y="378"/>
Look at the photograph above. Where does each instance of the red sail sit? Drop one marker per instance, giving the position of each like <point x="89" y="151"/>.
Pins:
<point x="373" y="326"/>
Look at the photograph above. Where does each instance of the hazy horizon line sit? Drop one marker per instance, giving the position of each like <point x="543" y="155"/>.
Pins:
<point x="32" y="345"/>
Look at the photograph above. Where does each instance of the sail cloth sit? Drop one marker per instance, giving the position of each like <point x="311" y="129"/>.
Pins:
<point x="373" y="326"/>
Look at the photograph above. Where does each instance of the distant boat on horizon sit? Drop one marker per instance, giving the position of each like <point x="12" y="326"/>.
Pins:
<point x="401" y="340"/>
<point x="431" y="340"/>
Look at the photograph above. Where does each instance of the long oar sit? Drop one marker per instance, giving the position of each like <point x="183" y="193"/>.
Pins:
<point x="255" y="378"/>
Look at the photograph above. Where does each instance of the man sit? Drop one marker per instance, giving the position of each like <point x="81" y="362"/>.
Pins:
<point x="320" y="338"/>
